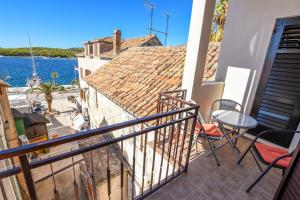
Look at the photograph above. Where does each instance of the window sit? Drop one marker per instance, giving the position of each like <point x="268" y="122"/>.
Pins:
<point x="81" y="72"/>
<point x="87" y="72"/>
<point x="91" y="49"/>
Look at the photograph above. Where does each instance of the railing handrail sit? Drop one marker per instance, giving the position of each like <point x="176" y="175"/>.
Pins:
<point x="18" y="151"/>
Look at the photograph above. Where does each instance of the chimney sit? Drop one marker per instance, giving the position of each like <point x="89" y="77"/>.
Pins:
<point x="117" y="42"/>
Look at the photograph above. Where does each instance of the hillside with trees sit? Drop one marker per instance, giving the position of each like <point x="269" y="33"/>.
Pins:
<point x="41" y="51"/>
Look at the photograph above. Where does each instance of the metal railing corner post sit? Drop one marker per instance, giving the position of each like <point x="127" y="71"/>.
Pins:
<point x="191" y="138"/>
<point x="27" y="176"/>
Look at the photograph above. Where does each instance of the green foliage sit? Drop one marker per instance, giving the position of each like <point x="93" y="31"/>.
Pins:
<point x="54" y="75"/>
<point x="46" y="88"/>
<point x="219" y="21"/>
<point x="41" y="51"/>
<point x="75" y="81"/>
<point x="61" y="88"/>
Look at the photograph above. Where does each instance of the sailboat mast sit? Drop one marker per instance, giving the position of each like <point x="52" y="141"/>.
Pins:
<point x="32" y="58"/>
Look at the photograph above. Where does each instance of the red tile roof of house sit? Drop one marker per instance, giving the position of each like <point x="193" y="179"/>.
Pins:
<point x="125" y="44"/>
<point x="133" y="42"/>
<point x="3" y="83"/>
<point x="134" y="79"/>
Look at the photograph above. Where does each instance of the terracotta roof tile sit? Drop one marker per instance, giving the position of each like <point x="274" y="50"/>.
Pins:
<point x="129" y="43"/>
<point x="135" y="78"/>
<point x="212" y="61"/>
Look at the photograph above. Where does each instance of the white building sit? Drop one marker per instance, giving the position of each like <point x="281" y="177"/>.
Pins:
<point x="100" y="51"/>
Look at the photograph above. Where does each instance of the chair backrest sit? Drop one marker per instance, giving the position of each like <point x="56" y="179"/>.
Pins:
<point x="225" y="104"/>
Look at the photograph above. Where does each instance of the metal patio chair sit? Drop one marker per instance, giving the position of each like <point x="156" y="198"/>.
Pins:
<point x="226" y="104"/>
<point x="269" y="155"/>
<point x="209" y="132"/>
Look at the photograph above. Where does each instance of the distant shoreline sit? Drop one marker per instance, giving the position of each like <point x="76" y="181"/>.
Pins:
<point x="39" y="57"/>
<point x="42" y="52"/>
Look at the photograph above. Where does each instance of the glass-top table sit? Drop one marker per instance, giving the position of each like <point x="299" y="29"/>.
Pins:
<point x="236" y="121"/>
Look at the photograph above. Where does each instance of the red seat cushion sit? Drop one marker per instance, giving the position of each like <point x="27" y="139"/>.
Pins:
<point x="269" y="153"/>
<point x="209" y="130"/>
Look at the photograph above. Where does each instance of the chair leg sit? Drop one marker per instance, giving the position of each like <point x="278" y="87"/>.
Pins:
<point x="259" y="178"/>
<point x="283" y="171"/>
<point x="195" y="142"/>
<point x="252" y="153"/>
<point x="213" y="151"/>
<point x="243" y="156"/>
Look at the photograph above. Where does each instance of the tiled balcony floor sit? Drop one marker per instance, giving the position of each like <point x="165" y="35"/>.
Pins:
<point x="205" y="180"/>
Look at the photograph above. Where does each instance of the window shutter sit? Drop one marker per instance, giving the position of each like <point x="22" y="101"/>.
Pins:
<point x="277" y="101"/>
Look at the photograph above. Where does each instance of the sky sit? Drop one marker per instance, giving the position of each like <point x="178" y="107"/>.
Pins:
<point x="68" y="23"/>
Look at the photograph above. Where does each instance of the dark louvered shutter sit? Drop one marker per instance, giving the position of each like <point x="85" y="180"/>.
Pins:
<point x="277" y="100"/>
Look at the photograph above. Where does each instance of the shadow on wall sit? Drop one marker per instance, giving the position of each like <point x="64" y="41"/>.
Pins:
<point x="239" y="85"/>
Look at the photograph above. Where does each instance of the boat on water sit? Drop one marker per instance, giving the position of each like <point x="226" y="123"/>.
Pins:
<point x="35" y="80"/>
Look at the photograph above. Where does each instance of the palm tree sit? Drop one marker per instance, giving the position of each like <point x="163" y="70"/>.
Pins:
<point x="47" y="89"/>
<point x="54" y="75"/>
<point x="219" y="20"/>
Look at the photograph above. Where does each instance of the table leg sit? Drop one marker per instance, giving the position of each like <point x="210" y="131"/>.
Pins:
<point x="227" y="137"/>
<point x="227" y="141"/>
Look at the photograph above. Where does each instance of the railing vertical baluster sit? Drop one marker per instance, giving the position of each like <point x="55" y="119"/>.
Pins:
<point x="122" y="172"/>
<point x="93" y="178"/>
<point x="162" y="155"/>
<point x="76" y="189"/>
<point x="186" y="123"/>
<point x="108" y="174"/>
<point x="133" y="168"/>
<point x="158" y="111"/>
<point x="177" y="143"/>
<point x="3" y="190"/>
<point x="191" y="138"/>
<point x="56" y="193"/>
<point x="27" y="176"/>
<point x="154" y="153"/>
<point x="170" y="146"/>
<point x="144" y="163"/>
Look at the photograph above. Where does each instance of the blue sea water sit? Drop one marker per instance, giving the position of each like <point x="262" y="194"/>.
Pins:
<point x="19" y="69"/>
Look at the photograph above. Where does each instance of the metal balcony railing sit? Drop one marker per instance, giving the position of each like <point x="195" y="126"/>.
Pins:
<point x="153" y="150"/>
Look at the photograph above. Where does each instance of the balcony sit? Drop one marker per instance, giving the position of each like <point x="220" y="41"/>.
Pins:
<point x="132" y="159"/>
<point x="205" y="180"/>
<point x="152" y="157"/>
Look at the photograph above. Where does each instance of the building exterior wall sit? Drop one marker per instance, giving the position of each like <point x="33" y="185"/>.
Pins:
<point x="103" y="108"/>
<point x="91" y="64"/>
<point x="115" y="188"/>
<point x="248" y="30"/>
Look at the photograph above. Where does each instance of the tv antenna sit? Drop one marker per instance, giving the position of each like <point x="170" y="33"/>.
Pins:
<point x="151" y="29"/>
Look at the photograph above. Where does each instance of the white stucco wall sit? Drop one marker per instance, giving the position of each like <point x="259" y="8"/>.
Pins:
<point x="113" y="114"/>
<point x="91" y="64"/>
<point x="248" y="31"/>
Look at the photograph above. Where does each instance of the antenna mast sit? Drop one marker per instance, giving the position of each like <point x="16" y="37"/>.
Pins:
<point x="167" y="15"/>
<point x="151" y="7"/>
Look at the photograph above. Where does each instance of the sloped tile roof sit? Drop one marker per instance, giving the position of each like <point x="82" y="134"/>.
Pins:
<point x="3" y="83"/>
<point x="134" y="79"/>
<point x="211" y="61"/>
<point x="132" y="42"/>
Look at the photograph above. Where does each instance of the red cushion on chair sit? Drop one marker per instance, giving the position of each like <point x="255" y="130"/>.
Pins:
<point x="270" y="153"/>
<point x="209" y="129"/>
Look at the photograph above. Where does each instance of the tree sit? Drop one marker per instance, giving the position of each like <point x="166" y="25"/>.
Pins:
<point x="219" y="21"/>
<point x="54" y="75"/>
<point x="47" y="89"/>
